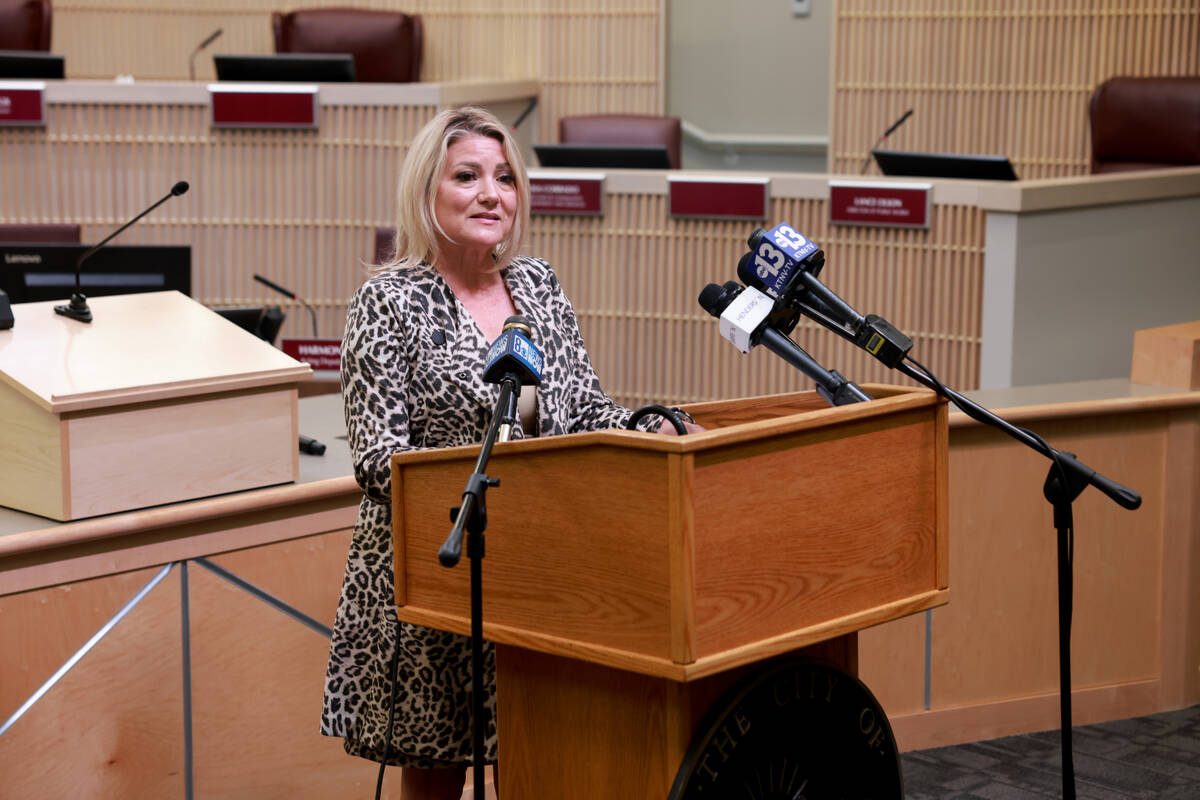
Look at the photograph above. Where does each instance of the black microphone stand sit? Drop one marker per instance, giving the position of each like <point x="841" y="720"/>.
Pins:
<point x="78" y="308"/>
<point x="212" y="37"/>
<point x="293" y="295"/>
<point x="887" y="133"/>
<point x="1066" y="480"/>
<point x="472" y="515"/>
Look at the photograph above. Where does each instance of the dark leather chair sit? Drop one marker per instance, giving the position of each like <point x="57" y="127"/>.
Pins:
<point x="631" y="129"/>
<point x="49" y="232"/>
<point x="385" y="244"/>
<point x="386" y="45"/>
<point x="1145" y="123"/>
<point x="24" y="24"/>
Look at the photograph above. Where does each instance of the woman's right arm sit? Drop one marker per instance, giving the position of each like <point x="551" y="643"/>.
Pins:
<point x="375" y="374"/>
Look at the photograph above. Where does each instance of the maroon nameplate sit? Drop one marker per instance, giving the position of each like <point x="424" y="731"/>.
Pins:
<point x="893" y="205"/>
<point x="718" y="198"/>
<point x="320" y="354"/>
<point x="263" y="106"/>
<point x="22" y="103"/>
<point x="566" y="195"/>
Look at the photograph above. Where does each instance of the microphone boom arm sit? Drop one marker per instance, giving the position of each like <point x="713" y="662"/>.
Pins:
<point x="79" y="261"/>
<point x="1076" y="469"/>
<point x="1122" y="495"/>
<point x="78" y="308"/>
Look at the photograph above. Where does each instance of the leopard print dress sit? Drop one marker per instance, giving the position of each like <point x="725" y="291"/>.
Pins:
<point x="412" y="360"/>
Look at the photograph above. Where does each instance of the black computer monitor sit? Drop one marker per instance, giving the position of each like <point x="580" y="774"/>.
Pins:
<point x="286" y="67"/>
<point x="263" y="321"/>
<point x="611" y="156"/>
<point x="31" y="65"/>
<point x="944" y="165"/>
<point x="38" y="272"/>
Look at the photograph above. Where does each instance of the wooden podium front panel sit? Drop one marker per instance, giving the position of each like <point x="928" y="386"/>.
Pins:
<point x="174" y="450"/>
<point x="847" y="526"/>
<point x="572" y="555"/>
<point x="573" y="729"/>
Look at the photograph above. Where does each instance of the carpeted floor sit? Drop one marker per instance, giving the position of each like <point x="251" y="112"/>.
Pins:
<point x="1148" y="757"/>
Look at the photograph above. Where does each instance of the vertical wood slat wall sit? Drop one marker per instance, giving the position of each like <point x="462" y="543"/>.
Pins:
<point x="634" y="277"/>
<point x="589" y="55"/>
<point x="996" y="76"/>
<point x="299" y="208"/>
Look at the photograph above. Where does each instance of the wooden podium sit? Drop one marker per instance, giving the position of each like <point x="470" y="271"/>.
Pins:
<point x="629" y="577"/>
<point x="158" y="400"/>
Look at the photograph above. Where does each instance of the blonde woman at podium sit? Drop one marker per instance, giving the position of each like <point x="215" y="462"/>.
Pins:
<point x="417" y="334"/>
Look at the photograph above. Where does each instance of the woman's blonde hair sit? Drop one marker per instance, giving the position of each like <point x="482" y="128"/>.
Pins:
<point x="417" y="228"/>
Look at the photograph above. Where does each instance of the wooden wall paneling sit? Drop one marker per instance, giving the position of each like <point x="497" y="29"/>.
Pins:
<point x="589" y="56"/>
<point x="1181" y="562"/>
<point x="300" y="208"/>
<point x="994" y="663"/>
<point x="258" y="676"/>
<point x="995" y="641"/>
<point x="891" y="662"/>
<point x="624" y="292"/>
<point x="124" y="741"/>
<point x="1033" y="67"/>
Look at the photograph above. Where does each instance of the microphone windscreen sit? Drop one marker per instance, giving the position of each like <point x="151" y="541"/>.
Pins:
<point x="745" y="271"/>
<point x="520" y="323"/>
<point x="179" y="188"/>
<point x="715" y="299"/>
<point x="710" y="299"/>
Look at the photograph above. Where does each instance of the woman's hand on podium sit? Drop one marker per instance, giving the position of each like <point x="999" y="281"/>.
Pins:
<point x="667" y="429"/>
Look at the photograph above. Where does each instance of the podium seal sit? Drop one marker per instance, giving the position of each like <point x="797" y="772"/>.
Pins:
<point x="801" y="730"/>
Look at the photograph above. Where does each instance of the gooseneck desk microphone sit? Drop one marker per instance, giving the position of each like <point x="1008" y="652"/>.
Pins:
<point x="78" y="307"/>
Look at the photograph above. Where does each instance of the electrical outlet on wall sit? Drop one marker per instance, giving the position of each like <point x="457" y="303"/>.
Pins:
<point x="801" y="8"/>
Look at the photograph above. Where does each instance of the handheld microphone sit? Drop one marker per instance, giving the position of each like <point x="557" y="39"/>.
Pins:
<point x="293" y="296"/>
<point x="515" y="358"/>
<point x="212" y="37"/>
<point x="745" y="319"/>
<point x="512" y="361"/>
<point x="78" y="308"/>
<point x="785" y="265"/>
<point x="514" y="354"/>
<point x="887" y="133"/>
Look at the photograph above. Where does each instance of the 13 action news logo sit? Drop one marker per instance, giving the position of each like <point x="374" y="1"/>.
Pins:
<point x="782" y="243"/>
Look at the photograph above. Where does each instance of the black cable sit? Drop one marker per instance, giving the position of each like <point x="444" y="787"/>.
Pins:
<point x="387" y="742"/>
<point x="672" y="414"/>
